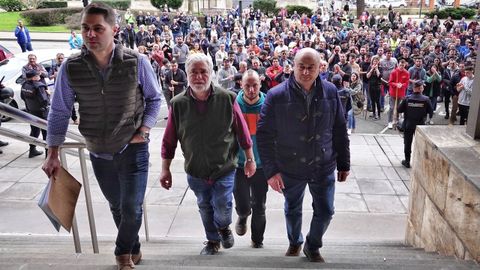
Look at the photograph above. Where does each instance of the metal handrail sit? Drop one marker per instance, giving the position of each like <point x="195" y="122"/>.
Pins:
<point x="79" y="144"/>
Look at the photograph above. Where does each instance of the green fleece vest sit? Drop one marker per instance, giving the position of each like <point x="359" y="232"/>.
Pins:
<point x="207" y="140"/>
<point x="111" y="107"/>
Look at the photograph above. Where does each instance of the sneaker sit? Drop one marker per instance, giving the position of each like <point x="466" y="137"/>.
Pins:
<point x="349" y="131"/>
<point x="447" y="116"/>
<point x="34" y="153"/>
<point x="390" y="125"/>
<point x="430" y="122"/>
<point x="241" y="226"/>
<point x="375" y="118"/>
<point x="405" y="163"/>
<point x="211" y="248"/>
<point x="226" y="237"/>
<point x="3" y="144"/>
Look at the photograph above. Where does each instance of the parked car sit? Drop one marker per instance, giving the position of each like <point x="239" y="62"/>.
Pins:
<point x="4" y="54"/>
<point x="386" y="4"/>
<point x="464" y="3"/>
<point x="12" y="70"/>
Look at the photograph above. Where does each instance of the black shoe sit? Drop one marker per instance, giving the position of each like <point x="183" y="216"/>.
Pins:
<point x="293" y="250"/>
<point x="257" y="244"/>
<point x="241" y="226"/>
<point x="3" y="143"/>
<point x="165" y="118"/>
<point x="312" y="255"/>
<point x="211" y="248"/>
<point x="1" y="152"/>
<point x="447" y="116"/>
<point x="405" y="163"/>
<point x="34" y="152"/>
<point x="226" y="237"/>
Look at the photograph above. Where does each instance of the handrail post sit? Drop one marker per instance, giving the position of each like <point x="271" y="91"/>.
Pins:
<point x="88" y="200"/>
<point x="76" y="236"/>
<point x="145" y="220"/>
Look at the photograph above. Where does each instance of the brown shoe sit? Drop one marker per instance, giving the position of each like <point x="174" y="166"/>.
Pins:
<point x="124" y="262"/>
<point x="137" y="257"/>
<point x="313" y="255"/>
<point x="293" y="250"/>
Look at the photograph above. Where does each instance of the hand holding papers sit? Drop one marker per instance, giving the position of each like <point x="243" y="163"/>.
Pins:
<point x="59" y="199"/>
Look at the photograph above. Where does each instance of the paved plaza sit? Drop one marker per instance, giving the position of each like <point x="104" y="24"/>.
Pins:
<point x="370" y="206"/>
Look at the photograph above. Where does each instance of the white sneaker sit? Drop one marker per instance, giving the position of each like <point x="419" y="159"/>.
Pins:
<point x="349" y="131"/>
<point x="430" y="122"/>
<point x="390" y="125"/>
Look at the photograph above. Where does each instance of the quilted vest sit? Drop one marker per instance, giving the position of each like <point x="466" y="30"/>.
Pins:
<point x="111" y="106"/>
<point x="208" y="142"/>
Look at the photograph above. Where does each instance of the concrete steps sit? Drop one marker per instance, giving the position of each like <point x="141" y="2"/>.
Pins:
<point x="31" y="252"/>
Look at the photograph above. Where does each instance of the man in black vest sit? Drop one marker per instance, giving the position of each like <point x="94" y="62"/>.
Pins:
<point x="36" y="97"/>
<point x="415" y="108"/>
<point x="119" y="100"/>
<point x="208" y="121"/>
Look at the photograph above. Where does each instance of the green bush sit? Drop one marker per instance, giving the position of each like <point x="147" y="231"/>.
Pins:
<point x="48" y="16"/>
<point x="73" y="21"/>
<point x="51" y="4"/>
<point x="117" y="4"/>
<point x="456" y="13"/>
<point x="266" y="6"/>
<point x="175" y="4"/>
<point x="300" y="10"/>
<point x="12" y="5"/>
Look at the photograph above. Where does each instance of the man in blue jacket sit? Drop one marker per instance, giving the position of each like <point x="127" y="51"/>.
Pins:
<point x="302" y="138"/>
<point x="23" y="37"/>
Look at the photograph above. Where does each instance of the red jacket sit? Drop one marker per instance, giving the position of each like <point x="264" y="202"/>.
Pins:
<point x="271" y="73"/>
<point x="398" y="76"/>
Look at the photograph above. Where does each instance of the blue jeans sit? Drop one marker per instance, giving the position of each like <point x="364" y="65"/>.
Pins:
<point x="351" y="119"/>
<point x="323" y="191"/>
<point x="25" y="46"/>
<point x="214" y="200"/>
<point x="123" y="181"/>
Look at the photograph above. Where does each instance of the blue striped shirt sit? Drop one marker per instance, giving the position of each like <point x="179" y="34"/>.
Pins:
<point x="64" y="97"/>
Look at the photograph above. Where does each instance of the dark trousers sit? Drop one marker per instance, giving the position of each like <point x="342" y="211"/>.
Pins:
<point x="250" y="197"/>
<point x="322" y="191"/>
<point x="407" y="141"/>
<point x="35" y="131"/>
<point x="123" y="181"/>
<point x="463" y="111"/>
<point x="375" y="97"/>
<point x="446" y="100"/>
<point x="26" y="46"/>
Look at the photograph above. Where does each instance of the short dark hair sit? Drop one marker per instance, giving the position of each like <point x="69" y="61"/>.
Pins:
<point x="102" y="9"/>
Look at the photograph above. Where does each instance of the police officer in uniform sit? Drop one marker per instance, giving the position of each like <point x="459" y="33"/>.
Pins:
<point x="36" y="97"/>
<point x="415" y="108"/>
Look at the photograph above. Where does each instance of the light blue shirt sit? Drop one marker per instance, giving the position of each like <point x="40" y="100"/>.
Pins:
<point x="64" y="98"/>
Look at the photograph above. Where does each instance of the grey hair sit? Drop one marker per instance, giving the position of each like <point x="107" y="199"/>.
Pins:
<point x="196" y="58"/>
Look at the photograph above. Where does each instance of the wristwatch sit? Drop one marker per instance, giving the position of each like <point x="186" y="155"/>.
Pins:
<point x="249" y="160"/>
<point x="144" y="135"/>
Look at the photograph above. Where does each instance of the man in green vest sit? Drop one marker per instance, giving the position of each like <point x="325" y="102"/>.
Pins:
<point x="209" y="124"/>
<point x="119" y="100"/>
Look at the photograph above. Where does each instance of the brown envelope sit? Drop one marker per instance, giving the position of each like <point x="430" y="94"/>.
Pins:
<point x="60" y="199"/>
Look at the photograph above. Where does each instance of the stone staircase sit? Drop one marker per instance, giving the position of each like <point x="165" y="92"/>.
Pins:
<point x="39" y="253"/>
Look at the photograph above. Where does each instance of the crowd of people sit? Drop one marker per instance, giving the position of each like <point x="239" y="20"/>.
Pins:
<point x="363" y="54"/>
<point x="284" y="89"/>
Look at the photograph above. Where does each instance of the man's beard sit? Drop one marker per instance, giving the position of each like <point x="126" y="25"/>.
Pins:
<point x="203" y="89"/>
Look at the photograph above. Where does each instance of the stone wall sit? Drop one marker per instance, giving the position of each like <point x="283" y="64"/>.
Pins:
<point x="444" y="206"/>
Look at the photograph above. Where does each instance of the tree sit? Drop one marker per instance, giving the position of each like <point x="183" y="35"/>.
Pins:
<point x="360" y="8"/>
<point x="175" y="4"/>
